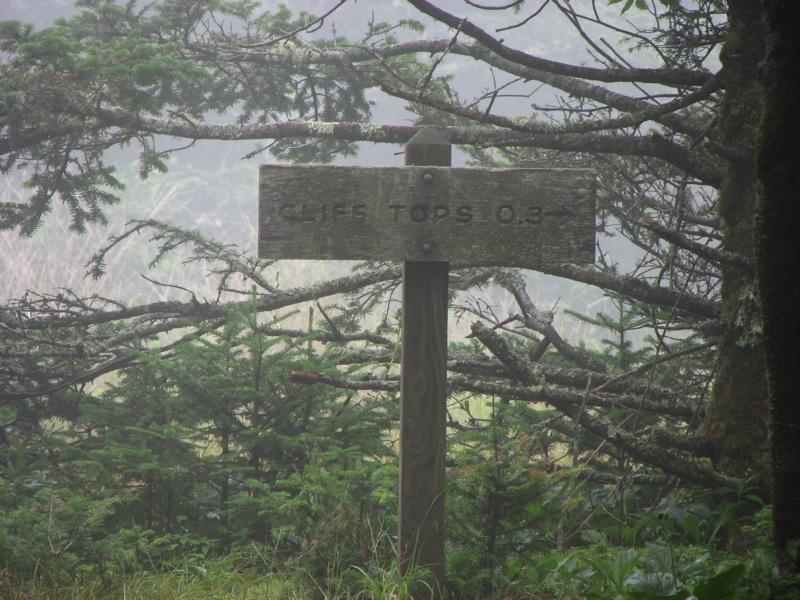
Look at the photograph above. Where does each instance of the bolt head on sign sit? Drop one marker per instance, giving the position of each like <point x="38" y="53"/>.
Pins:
<point x="508" y="217"/>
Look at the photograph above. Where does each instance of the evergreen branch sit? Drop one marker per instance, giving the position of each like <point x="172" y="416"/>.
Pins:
<point x="654" y="145"/>
<point x="327" y="337"/>
<point x="668" y="461"/>
<point x="623" y="385"/>
<point x="552" y="395"/>
<point x="637" y="289"/>
<point x="639" y="110"/>
<point x="715" y="255"/>
<point x="532" y="394"/>
<point x="385" y="385"/>
<point x="577" y="379"/>
<point x="197" y="312"/>
<point x="311" y="26"/>
<point x="676" y="77"/>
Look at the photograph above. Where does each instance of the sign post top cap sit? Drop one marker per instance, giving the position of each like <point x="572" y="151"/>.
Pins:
<point x="428" y="136"/>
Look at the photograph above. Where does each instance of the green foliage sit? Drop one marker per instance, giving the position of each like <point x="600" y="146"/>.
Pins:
<point x="54" y="531"/>
<point x="505" y="497"/>
<point x="673" y="556"/>
<point x="648" y="574"/>
<point x="204" y="448"/>
<point x="203" y="461"/>
<point x="619" y="351"/>
<point x="68" y="82"/>
<point x="391" y="582"/>
<point x="196" y="456"/>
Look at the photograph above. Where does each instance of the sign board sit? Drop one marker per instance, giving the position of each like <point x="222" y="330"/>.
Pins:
<point x="509" y="217"/>
<point x="426" y="216"/>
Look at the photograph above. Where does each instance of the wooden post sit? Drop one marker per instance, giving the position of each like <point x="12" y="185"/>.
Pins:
<point x="426" y="215"/>
<point x="423" y="387"/>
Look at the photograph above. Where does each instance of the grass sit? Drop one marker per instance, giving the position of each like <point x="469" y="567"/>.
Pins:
<point x="171" y="586"/>
<point x="225" y="581"/>
<point x="240" y="587"/>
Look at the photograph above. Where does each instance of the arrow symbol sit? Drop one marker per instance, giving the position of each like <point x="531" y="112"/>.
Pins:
<point x="563" y="214"/>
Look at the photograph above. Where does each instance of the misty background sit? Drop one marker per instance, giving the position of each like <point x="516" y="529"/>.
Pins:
<point x="210" y="187"/>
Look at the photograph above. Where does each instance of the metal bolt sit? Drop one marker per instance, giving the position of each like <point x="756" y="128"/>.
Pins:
<point x="426" y="248"/>
<point x="427" y="178"/>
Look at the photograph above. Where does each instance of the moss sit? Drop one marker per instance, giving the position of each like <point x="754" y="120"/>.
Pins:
<point x="736" y="418"/>
<point x="321" y="128"/>
<point x="373" y="132"/>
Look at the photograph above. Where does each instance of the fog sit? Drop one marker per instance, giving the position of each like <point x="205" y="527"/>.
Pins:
<point x="212" y="188"/>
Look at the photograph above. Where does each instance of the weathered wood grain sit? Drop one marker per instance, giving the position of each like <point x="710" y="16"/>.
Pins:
<point x="509" y="217"/>
<point x="423" y="416"/>
<point x="426" y="214"/>
<point x="423" y="395"/>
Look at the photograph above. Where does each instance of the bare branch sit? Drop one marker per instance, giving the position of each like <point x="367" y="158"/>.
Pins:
<point x="678" y="77"/>
<point x="668" y="461"/>
<point x="716" y="255"/>
<point x="312" y="25"/>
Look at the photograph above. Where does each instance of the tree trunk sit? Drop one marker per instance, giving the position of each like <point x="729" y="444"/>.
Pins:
<point x="736" y="419"/>
<point x="778" y="256"/>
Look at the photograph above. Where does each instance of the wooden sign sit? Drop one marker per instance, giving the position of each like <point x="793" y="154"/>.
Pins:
<point x="426" y="214"/>
<point x="509" y="217"/>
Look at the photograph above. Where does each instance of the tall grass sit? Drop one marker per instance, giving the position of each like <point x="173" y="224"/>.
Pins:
<point x="199" y="584"/>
